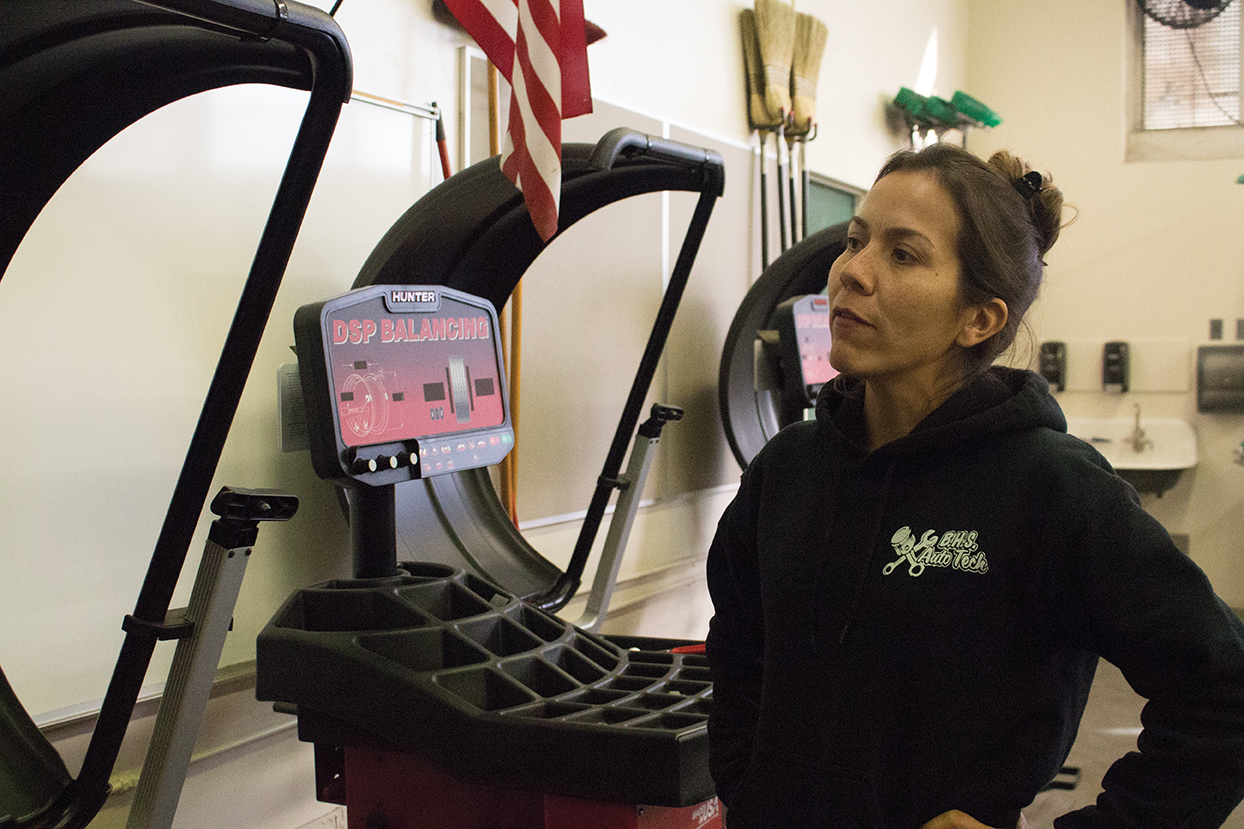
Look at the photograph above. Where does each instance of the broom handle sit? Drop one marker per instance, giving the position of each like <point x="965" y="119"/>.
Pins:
<point x="794" y="225"/>
<point x="804" y="183"/>
<point x="781" y="174"/>
<point x="764" y="202"/>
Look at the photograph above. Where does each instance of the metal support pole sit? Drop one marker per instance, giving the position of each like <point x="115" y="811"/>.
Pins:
<point x="632" y="486"/>
<point x="209" y="617"/>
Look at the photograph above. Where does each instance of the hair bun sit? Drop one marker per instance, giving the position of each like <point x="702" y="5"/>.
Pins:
<point x="1045" y="201"/>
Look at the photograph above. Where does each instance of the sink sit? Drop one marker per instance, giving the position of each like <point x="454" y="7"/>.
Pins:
<point x="1168" y="449"/>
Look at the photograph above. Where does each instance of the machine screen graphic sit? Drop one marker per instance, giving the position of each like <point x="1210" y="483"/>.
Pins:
<point x="814" y="338"/>
<point x="399" y="376"/>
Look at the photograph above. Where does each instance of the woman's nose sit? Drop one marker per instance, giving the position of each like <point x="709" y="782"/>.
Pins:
<point x="856" y="272"/>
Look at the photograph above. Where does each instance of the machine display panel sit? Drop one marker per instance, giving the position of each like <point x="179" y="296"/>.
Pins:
<point x="414" y="368"/>
<point x="398" y="376"/>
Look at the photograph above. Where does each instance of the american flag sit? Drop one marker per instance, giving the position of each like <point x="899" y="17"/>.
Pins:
<point x="540" y="47"/>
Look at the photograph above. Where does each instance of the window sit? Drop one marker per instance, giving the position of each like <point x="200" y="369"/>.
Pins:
<point x="1185" y="89"/>
<point x="830" y="202"/>
<point x="1192" y="76"/>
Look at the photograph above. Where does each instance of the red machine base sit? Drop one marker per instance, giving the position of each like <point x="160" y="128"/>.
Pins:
<point x="389" y="790"/>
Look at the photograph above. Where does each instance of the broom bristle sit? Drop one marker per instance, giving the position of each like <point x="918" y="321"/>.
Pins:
<point x="757" y="114"/>
<point x="810" y="37"/>
<point x="775" y="32"/>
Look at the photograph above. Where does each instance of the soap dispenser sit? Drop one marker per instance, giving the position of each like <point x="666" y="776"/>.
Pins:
<point x="1053" y="364"/>
<point x="1114" y="367"/>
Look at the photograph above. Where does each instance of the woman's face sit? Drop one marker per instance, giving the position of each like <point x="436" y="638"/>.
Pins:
<point x="895" y="309"/>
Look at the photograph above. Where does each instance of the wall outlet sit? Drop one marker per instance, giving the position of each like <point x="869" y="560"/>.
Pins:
<point x="336" y="819"/>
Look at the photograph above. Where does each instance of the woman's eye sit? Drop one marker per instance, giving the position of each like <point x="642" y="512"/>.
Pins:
<point x="854" y="243"/>
<point x="903" y="256"/>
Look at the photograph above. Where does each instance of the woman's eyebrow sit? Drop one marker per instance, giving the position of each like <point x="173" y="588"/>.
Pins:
<point x="894" y="232"/>
<point x="909" y="233"/>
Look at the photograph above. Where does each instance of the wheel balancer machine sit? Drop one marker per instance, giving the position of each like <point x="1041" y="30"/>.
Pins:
<point x="436" y="697"/>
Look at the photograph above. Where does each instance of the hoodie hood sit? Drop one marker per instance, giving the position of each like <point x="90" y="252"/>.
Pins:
<point x="993" y="402"/>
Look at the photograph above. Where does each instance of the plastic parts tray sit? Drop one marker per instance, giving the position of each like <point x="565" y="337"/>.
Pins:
<point x="441" y="663"/>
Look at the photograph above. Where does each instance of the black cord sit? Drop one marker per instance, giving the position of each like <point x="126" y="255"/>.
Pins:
<point x="1201" y="70"/>
<point x="336" y="6"/>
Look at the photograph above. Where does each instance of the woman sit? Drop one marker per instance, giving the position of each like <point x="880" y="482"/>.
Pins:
<point x="911" y="592"/>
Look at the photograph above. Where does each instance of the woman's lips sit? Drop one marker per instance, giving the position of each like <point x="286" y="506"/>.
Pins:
<point x="847" y="315"/>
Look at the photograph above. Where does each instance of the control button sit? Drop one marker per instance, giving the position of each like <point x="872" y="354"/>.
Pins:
<point x="363" y="465"/>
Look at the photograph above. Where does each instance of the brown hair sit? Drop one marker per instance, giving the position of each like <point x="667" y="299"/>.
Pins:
<point x="1006" y="228"/>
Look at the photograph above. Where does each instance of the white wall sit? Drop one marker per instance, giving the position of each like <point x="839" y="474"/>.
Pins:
<point x="154" y="247"/>
<point x="684" y="62"/>
<point x="1154" y="253"/>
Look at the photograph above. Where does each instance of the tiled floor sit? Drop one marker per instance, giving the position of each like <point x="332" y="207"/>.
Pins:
<point x="1107" y="732"/>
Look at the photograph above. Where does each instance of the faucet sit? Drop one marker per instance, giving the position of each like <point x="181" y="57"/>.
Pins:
<point x="1137" y="439"/>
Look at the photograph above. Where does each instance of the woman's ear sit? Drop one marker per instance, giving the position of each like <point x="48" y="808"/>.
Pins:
<point x="980" y="322"/>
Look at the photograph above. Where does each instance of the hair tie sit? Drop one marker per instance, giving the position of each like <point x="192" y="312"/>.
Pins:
<point x="1028" y="185"/>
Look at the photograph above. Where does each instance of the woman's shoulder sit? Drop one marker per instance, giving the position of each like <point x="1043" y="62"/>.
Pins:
<point x="797" y="452"/>
<point x="803" y="439"/>
<point x="1059" y="447"/>
<point x="1062" y="467"/>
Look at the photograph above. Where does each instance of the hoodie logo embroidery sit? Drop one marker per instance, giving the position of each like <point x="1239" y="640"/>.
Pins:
<point x="955" y="548"/>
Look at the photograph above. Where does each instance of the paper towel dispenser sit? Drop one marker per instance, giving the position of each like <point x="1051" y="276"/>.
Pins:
<point x="1220" y="379"/>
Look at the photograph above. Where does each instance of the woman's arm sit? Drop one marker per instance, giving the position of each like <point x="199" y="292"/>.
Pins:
<point x="735" y="644"/>
<point x="1152" y="612"/>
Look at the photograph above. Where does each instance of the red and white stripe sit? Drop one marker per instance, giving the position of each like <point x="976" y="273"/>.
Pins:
<point x="532" y="154"/>
<point x="493" y="24"/>
<point x="540" y="47"/>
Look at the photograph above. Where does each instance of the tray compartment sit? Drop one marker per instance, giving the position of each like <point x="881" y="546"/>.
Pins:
<point x="425" y="649"/>
<point x="539" y="676"/>
<point x="485" y="688"/>
<point x="445" y="600"/>
<point x="499" y="636"/>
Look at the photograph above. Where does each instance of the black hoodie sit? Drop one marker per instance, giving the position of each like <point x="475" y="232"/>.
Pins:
<point x="907" y="631"/>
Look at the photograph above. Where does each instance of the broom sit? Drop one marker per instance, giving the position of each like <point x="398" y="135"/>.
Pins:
<point x="757" y="116"/>
<point x="775" y="35"/>
<point x="810" y="37"/>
